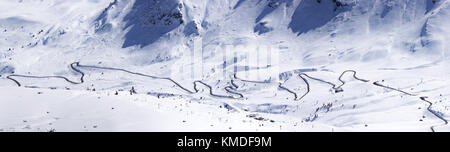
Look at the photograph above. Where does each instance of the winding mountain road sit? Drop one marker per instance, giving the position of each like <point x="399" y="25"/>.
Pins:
<point x="76" y="65"/>
<point x="232" y="89"/>
<point x="339" y="89"/>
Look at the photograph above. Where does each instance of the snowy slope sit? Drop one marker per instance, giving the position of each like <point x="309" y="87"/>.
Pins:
<point x="250" y="52"/>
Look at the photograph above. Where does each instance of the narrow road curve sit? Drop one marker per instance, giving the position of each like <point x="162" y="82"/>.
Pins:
<point x="390" y="88"/>
<point x="233" y="89"/>
<point x="10" y="77"/>
<point x="353" y="75"/>
<point x="234" y="85"/>
<point x="434" y="113"/>
<point x="280" y="85"/>
<point x="303" y="76"/>
<point x="423" y="98"/>
<point x="336" y="88"/>
<point x="210" y="90"/>
<point x="333" y="86"/>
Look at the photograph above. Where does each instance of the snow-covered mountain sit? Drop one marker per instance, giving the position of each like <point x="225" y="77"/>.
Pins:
<point x="200" y="53"/>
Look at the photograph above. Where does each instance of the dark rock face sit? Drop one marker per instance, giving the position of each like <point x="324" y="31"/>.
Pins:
<point x="191" y="29"/>
<point x="310" y="14"/>
<point x="261" y="28"/>
<point x="101" y="25"/>
<point x="151" y="19"/>
<point x="6" y="68"/>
